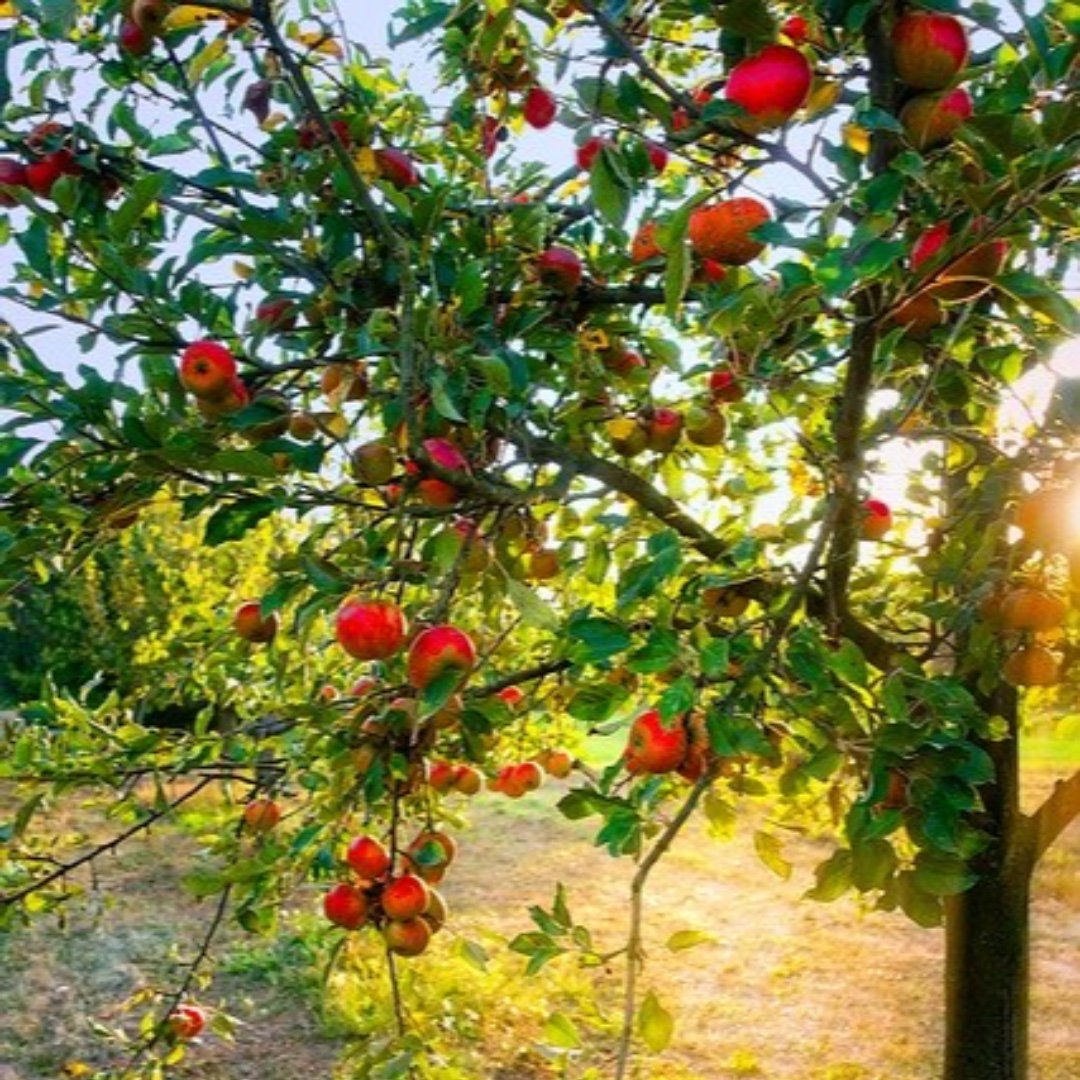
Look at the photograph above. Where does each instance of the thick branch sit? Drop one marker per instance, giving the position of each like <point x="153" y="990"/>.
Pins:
<point x="1061" y="808"/>
<point x="627" y="483"/>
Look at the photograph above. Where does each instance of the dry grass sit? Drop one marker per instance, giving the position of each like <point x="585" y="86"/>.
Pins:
<point x="788" y="990"/>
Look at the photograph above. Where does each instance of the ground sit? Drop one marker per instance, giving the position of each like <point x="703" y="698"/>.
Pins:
<point x="789" y="989"/>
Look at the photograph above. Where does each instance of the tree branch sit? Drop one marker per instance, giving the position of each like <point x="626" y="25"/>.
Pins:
<point x="1061" y="808"/>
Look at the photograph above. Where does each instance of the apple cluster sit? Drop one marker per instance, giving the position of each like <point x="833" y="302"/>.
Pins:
<point x="394" y="891"/>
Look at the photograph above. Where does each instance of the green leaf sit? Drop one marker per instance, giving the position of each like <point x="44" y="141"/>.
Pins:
<point x="655" y="1024"/>
<point x="942" y="875"/>
<point x="243" y="462"/>
<point x="144" y="193"/>
<point x="1033" y="291"/>
<point x="833" y="877"/>
<point x="594" y="704"/>
<point x="600" y="638"/>
<point x="559" y="1030"/>
<point x="534" y="612"/>
<point x="233" y="520"/>
<point x="610" y="191"/>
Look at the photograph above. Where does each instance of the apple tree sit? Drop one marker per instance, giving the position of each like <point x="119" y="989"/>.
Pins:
<point x="565" y="385"/>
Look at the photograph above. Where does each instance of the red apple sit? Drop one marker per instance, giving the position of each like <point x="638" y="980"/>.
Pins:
<point x="150" y="15"/>
<point x="795" y="29"/>
<point x="186" y="1022"/>
<point x="42" y="176"/>
<point x="397" y="167"/>
<point x="345" y="905"/>
<point x="559" y="268"/>
<point x="540" y="108"/>
<point x="407" y="937"/>
<point x="405" y="897"/>
<point x="261" y="815"/>
<point x="133" y="39"/>
<point x="368" y="858"/>
<point x="438" y="650"/>
<point x="929" y="49"/>
<point x="930" y="120"/>
<point x="491" y="134"/>
<point x="663" y="429"/>
<point x="589" y="151"/>
<point x="644" y="246"/>
<point x="468" y="781"/>
<point x="207" y="370"/>
<point x="724" y="385"/>
<point x="12" y="174"/>
<point x="876" y="519"/>
<point x="654" y="747"/>
<point x="723" y="230"/>
<point x="658" y="156"/>
<point x="370" y="629"/>
<point x="512" y="696"/>
<point x="929" y="244"/>
<point x="248" y="622"/>
<point x="771" y="87"/>
<point x="277" y="313"/>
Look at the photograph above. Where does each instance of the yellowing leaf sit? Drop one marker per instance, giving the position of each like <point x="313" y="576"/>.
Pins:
<point x="771" y="854"/>
<point x="823" y="97"/>
<point x="689" y="939"/>
<point x="367" y="163"/>
<point x="188" y="15"/>
<point x="655" y="1024"/>
<point x="8" y="11"/>
<point x="243" y="270"/>
<point x="559" y="1030"/>
<point x="319" y="42"/>
<point x="856" y="138"/>
<point x="207" y="57"/>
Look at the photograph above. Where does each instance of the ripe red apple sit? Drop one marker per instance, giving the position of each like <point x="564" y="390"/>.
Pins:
<point x="559" y="268"/>
<point x="965" y="277"/>
<point x="644" y="245"/>
<point x="468" y="781"/>
<point x="654" y="747"/>
<point x="442" y="776"/>
<point x="540" y="108"/>
<point x="373" y="463"/>
<point x="248" y="622"/>
<point x="658" y="157"/>
<point x="368" y="857"/>
<point x="438" y="650"/>
<point x="796" y="28"/>
<point x="261" y="815"/>
<point x="526" y="776"/>
<point x="723" y="230"/>
<point x="491" y="135"/>
<point x="345" y="905"/>
<point x="662" y="430"/>
<point x="42" y="176"/>
<point x="407" y="937"/>
<point x="512" y="696"/>
<point x="724" y="385"/>
<point x="771" y="87"/>
<point x="622" y="361"/>
<point x="876" y="519"/>
<point x="397" y="167"/>
<point x="12" y="174"/>
<point x="207" y="370"/>
<point x="930" y="120"/>
<point x="589" y="151"/>
<point x="558" y="763"/>
<point x="405" y="897"/>
<point x="709" y="272"/>
<point x="929" y="49"/>
<point x="370" y="629"/>
<point x="277" y="313"/>
<point x="437" y="911"/>
<point x="186" y="1022"/>
<point x="133" y="39"/>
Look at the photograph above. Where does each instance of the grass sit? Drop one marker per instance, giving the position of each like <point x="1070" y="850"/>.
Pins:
<point x="780" y="988"/>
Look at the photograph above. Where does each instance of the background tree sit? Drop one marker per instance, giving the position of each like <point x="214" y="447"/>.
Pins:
<point x="608" y="435"/>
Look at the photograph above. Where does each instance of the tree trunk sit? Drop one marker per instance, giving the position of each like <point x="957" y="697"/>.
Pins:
<point x="987" y="956"/>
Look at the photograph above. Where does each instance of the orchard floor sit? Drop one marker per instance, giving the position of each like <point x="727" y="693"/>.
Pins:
<point x="788" y="990"/>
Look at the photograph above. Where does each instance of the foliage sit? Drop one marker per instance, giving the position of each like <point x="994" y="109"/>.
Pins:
<point x="250" y="158"/>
